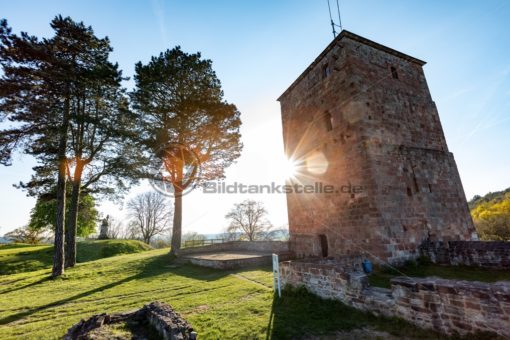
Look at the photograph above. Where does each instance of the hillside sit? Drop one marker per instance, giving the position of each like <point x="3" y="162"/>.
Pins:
<point x="17" y="258"/>
<point x="491" y="197"/>
<point x="491" y="215"/>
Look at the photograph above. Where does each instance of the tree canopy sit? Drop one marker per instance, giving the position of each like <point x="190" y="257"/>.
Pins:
<point x="39" y="79"/>
<point x="249" y="219"/>
<point x="150" y="214"/>
<point x="68" y="109"/>
<point x="491" y="215"/>
<point x="26" y="234"/>
<point x="185" y="119"/>
<point x="42" y="216"/>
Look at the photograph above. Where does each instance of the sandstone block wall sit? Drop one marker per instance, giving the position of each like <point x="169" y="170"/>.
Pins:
<point x="324" y="277"/>
<point x="449" y="305"/>
<point x="361" y="118"/>
<point x="443" y="305"/>
<point x="470" y="253"/>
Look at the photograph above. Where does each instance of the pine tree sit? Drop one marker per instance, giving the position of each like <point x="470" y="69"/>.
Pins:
<point x="180" y="101"/>
<point x="70" y="112"/>
<point x="101" y="157"/>
<point x="35" y="94"/>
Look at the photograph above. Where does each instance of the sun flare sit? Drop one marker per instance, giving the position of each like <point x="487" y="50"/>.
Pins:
<point x="289" y="168"/>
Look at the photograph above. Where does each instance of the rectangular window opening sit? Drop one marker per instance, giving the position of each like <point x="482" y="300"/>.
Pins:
<point x="394" y="73"/>
<point x="328" y="121"/>
<point x="326" y="71"/>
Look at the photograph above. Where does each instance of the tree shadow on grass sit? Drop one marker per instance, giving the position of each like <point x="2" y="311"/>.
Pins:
<point x="298" y="314"/>
<point x="200" y="273"/>
<point x="32" y="284"/>
<point x="27" y="261"/>
<point x="153" y="266"/>
<point x="167" y="264"/>
<point x="21" y="315"/>
<point x="41" y="257"/>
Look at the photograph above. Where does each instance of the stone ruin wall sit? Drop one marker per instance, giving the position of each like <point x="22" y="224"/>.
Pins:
<point x="387" y="139"/>
<point x="446" y="306"/>
<point x="489" y="254"/>
<point x="167" y="323"/>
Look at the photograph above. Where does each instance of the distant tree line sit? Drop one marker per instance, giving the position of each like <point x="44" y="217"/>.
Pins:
<point x="149" y="222"/>
<point x="491" y="215"/>
<point x="62" y="102"/>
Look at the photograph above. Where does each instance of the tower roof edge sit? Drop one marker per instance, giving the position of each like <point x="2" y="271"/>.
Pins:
<point x="349" y="35"/>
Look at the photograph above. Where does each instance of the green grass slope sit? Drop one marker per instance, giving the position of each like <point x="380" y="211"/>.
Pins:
<point x="94" y="250"/>
<point x="18" y="258"/>
<point x="219" y="304"/>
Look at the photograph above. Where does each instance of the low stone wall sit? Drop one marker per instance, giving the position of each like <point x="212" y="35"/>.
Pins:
<point x="167" y="323"/>
<point x="470" y="253"/>
<point x="450" y="305"/>
<point x="324" y="277"/>
<point x="258" y="246"/>
<point x="446" y="306"/>
<point x="235" y="263"/>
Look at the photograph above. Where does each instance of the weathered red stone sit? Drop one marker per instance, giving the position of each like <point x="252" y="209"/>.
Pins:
<point x="447" y="306"/>
<point x="361" y="118"/>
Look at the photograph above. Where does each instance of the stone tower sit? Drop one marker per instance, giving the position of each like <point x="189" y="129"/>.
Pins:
<point x="360" y="119"/>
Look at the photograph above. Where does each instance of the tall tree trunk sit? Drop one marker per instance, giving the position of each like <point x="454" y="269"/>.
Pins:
<point x="72" y="219"/>
<point x="58" y="250"/>
<point x="177" y="224"/>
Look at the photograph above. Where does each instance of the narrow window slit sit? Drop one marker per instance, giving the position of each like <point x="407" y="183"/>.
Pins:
<point x="409" y="192"/>
<point x="394" y="73"/>
<point x="328" y="121"/>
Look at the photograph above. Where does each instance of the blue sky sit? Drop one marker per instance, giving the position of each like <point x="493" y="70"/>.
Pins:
<point x="260" y="47"/>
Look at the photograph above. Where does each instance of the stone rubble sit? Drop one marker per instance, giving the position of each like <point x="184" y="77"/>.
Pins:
<point x="168" y="323"/>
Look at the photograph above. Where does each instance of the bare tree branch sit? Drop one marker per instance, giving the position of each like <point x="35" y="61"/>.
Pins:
<point x="151" y="214"/>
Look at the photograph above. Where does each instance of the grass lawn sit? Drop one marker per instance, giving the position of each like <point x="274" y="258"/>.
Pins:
<point x="219" y="304"/>
<point x="381" y="276"/>
<point x="19" y="258"/>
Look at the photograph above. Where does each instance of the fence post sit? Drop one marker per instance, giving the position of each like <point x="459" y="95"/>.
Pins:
<point x="276" y="275"/>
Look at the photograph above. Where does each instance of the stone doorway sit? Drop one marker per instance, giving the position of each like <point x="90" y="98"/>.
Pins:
<point x="324" y="245"/>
